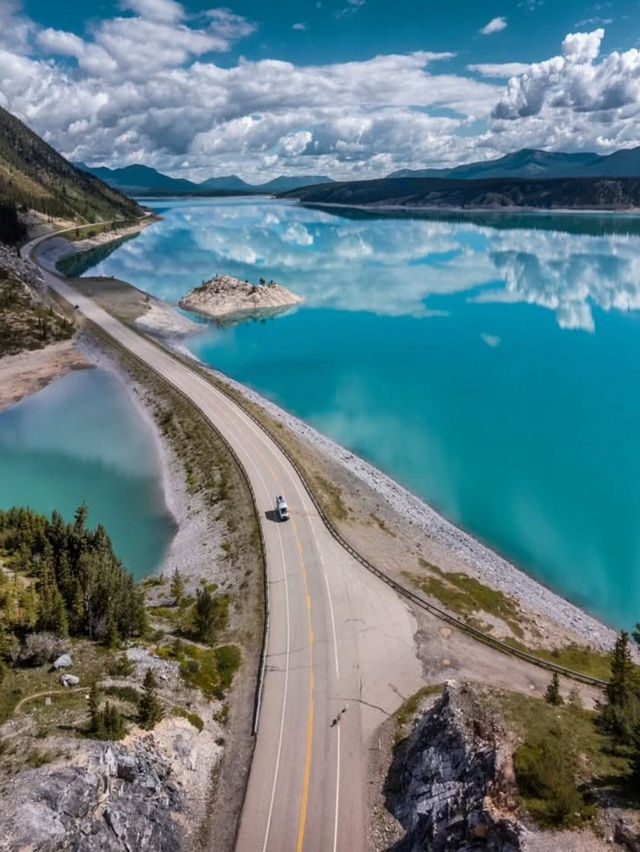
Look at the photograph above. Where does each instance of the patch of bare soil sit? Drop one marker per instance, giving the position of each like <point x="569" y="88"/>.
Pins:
<point x="28" y="372"/>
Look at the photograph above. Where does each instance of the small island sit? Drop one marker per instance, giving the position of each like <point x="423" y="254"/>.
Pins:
<point x="228" y="299"/>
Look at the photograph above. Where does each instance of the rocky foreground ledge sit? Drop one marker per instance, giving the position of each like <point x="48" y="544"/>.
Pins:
<point x="226" y="298"/>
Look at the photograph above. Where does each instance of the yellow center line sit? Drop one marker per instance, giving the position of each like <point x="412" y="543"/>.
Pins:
<point x="307" y="765"/>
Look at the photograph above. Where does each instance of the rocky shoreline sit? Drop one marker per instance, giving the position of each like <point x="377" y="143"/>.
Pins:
<point x="472" y="555"/>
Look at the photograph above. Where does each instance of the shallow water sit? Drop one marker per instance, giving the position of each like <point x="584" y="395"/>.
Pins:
<point x="490" y="363"/>
<point x="82" y="439"/>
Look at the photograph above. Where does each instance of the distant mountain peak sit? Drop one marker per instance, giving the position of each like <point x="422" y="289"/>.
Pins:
<point x="138" y="179"/>
<point x="535" y="162"/>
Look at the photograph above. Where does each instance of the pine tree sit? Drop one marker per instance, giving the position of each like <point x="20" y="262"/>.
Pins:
<point x="177" y="587"/>
<point x="552" y="695"/>
<point x="620" y="712"/>
<point x="635" y="755"/>
<point x="150" y="709"/>
<point x="204" y="616"/>
<point x="53" y="614"/>
<point x="619" y="688"/>
<point x="112" y="723"/>
<point x="95" y="716"/>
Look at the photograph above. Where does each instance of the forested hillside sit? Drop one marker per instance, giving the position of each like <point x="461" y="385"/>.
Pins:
<point x="35" y="176"/>
<point x="497" y="194"/>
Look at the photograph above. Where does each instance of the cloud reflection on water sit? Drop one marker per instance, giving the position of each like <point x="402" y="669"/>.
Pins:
<point x="389" y="266"/>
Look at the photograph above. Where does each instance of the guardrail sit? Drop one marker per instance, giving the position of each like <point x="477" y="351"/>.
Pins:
<point x="442" y="614"/>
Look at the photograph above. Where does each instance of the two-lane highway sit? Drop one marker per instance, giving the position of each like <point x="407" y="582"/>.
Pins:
<point x="338" y="638"/>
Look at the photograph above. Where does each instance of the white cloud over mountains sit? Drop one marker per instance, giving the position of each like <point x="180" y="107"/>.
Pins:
<point x="146" y="86"/>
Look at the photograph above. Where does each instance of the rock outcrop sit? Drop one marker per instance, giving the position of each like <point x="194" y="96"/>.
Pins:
<point x="447" y="785"/>
<point x="224" y="297"/>
<point x="118" y="798"/>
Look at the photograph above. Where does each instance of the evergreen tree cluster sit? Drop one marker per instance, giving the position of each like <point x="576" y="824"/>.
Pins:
<point x="620" y="714"/>
<point x="105" y="723"/>
<point x="67" y="579"/>
<point x="12" y="230"/>
<point x="35" y="176"/>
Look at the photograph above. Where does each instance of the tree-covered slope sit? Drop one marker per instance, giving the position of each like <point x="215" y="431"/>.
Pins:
<point x="35" y="176"/>
<point x="550" y="194"/>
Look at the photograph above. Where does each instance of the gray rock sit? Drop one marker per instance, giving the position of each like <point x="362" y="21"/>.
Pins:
<point x="119" y="799"/>
<point x="441" y="776"/>
<point x="69" y="680"/>
<point x="63" y="662"/>
<point x="127" y="768"/>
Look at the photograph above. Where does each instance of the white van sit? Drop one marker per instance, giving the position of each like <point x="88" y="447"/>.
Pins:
<point x="281" y="508"/>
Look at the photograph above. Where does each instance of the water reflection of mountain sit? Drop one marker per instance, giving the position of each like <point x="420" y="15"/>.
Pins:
<point x="75" y="265"/>
<point x="590" y="224"/>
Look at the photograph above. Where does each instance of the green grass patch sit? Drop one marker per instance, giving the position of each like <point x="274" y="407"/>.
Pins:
<point x="465" y="595"/>
<point x="166" y="613"/>
<point x="125" y="693"/>
<point x="9" y="697"/>
<point x="332" y="495"/>
<point x="40" y="758"/>
<point x="577" y="657"/>
<point x="408" y="709"/>
<point x="193" y="718"/>
<point x="209" y="669"/>
<point x="564" y="755"/>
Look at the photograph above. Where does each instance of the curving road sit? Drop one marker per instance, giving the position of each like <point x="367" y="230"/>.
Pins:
<point x="339" y="638"/>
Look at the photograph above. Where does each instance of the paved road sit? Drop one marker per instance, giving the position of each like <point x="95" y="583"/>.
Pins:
<point x="339" y="638"/>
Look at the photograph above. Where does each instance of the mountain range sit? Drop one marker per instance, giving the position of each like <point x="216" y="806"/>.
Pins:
<point x="143" y="180"/>
<point x="528" y="163"/>
<point x="33" y="176"/>
<point x="532" y="163"/>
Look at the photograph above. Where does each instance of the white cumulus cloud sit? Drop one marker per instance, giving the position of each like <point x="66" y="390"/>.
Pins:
<point x="495" y="25"/>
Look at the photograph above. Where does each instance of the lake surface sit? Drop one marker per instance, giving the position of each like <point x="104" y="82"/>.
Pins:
<point x="81" y="438"/>
<point x="489" y="363"/>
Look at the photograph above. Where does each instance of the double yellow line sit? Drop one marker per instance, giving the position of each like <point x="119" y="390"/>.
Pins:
<point x="307" y="765"/>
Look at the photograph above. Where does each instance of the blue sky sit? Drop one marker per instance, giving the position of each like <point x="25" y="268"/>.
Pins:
<point x="341" y="87"/>
<point x="336" y="32"/>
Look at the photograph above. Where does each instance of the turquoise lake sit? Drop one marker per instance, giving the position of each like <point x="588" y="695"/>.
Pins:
<point x="82" y="439"/>
<point x="489" y="363"/>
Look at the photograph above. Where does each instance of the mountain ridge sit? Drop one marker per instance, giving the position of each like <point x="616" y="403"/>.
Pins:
<point x="138" y="179"/>
<point x="534" y="162"/>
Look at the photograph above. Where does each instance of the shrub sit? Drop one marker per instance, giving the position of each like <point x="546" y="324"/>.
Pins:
<point x="124" y="693"/>
<point x="545" y="772"/>
<point x="40" y="648"/>
<point x="120" y="666"/>
<point x="151" y="711"/>
<point x="193" y="718"/>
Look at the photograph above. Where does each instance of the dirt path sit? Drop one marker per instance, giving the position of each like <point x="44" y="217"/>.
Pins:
<point x="46" y="692"/>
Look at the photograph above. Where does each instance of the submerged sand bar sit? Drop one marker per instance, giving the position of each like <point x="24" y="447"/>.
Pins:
<point x="224" y="297"/>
